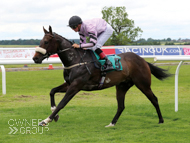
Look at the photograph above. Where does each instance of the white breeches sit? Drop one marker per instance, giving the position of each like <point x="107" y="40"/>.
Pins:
<point x="103" y="37"/>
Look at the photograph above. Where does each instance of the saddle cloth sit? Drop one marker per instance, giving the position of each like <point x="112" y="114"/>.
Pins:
<point x="114" y="59"/>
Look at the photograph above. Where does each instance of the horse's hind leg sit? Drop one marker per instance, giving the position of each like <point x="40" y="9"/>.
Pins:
<point x="145" y="88"/>
<point x="61" y="88"/>
<point x="121" y="90"/>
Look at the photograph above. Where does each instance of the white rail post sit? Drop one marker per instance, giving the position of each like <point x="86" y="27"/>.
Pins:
<point x="3" y="79"/>
<point x="176" y="85"/>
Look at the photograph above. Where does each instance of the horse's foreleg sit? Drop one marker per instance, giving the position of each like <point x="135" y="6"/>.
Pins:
<point x="61" y="88"/>
<point x="70" y="93"/>
<point x="121" y="90"/>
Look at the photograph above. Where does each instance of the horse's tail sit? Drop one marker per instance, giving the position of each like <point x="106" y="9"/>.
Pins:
<point x="159" y="73"/>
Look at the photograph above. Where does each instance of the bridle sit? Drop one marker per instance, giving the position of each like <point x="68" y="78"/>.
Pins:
<point x="48" y="54"/>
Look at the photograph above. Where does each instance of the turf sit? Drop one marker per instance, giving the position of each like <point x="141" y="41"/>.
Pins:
<point x="83" y="119"/>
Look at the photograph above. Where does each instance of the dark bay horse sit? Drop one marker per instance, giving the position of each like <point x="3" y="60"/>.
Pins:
<point x="81" y="74"/>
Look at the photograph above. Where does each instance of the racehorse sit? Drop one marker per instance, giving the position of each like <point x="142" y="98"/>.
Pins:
<point x="80" y="73"/>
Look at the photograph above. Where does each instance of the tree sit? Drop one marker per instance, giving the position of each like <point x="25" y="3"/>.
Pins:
<point x="124" y="29"/>
<point x="169" y="39"/>
<point x="150" y="39"/>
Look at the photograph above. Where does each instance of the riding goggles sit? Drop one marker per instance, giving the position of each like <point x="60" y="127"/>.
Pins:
<point x="74" y="27"/>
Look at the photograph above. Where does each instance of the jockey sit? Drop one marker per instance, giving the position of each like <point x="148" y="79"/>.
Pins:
<point x="98" y="30"/>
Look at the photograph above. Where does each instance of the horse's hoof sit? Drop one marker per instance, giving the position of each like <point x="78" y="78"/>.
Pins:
<point x="56" y="118"/>
<point x="42" y="123"/>
<point x="110" y="125"/>
<point x="161" y="121"/>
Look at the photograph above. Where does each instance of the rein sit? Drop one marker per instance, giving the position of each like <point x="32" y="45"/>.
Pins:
<point x="83" y="62"/>
<point x="63" y="50"/>
<point x="46" y="55"/>
<point x="79" y="64"/>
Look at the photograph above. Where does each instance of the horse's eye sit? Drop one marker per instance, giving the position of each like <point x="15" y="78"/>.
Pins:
<point x="46" y="42"/>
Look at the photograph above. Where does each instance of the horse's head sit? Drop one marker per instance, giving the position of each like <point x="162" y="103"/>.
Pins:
<point x="48" y="45"/>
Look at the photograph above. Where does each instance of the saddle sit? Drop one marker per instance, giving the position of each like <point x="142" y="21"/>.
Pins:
<point x="114" y="59"/>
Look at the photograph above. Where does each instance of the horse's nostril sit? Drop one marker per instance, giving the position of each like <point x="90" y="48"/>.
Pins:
<point x="35" y="59"/>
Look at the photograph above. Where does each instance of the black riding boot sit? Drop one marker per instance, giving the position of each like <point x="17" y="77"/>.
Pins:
<point x="108" y="65"/>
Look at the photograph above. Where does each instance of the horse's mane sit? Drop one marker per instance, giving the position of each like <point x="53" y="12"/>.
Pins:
<point x="64" y="38"/>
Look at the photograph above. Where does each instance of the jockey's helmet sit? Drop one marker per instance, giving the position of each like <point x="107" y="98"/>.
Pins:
<point x="74" y="21"/>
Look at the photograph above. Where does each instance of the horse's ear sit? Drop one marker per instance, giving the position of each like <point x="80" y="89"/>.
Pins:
<point x="50" y="30"/>
<point x="45" y="31"/>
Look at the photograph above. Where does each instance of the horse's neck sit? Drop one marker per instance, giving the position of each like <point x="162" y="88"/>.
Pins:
<point x="70" y="56"/>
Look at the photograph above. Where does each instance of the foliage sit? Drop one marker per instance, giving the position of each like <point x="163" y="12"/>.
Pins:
<point x="187" y="43"/>
<point x="26" y="42"/>
<point x="20" y="42"/>
<point x="124" y="29"/>
<point x="147" y="43"/>
<point x="169" y="39"/>
<point x="169" y="43"/>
